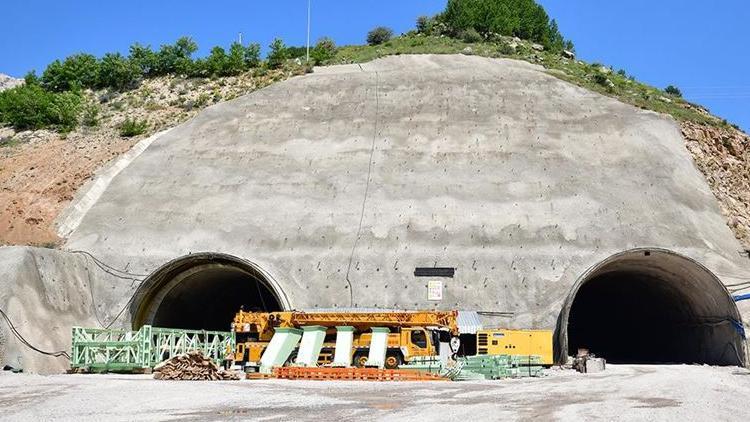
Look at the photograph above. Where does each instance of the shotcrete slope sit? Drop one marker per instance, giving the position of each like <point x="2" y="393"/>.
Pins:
<point x="516" y="178"/>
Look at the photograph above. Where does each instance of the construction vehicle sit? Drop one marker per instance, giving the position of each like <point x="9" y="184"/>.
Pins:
<point x="413" y="334"/>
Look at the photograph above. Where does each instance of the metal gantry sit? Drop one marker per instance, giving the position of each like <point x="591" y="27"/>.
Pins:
<point x="115" y="350"/>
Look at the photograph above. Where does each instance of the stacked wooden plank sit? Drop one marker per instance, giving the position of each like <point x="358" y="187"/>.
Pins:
<point x="353" y="374"/>
<point x="192" y="366"/>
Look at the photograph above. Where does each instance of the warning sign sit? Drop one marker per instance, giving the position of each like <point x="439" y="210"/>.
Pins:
<point x="435" y="290"/>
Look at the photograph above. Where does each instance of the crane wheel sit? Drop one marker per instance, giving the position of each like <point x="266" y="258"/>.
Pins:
<point x="392" y="361"/>
<point x="360" y="360"/>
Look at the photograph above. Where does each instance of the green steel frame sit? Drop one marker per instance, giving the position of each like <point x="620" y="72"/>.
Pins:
<point x="113" y="350"/>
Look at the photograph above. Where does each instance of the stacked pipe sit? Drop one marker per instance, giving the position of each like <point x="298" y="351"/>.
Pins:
<point x="192" y="366"/>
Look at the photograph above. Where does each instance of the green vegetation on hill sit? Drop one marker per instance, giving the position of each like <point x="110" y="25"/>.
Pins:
<point x="524" y="19"/>
<point x="595" y="77"/>
<point x="517" y="29"/>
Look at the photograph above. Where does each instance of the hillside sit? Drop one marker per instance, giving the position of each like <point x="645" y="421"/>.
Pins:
<point x="41" y="170"/>
<point x="7" y="82"/>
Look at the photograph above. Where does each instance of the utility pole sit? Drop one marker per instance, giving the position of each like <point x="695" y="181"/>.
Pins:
<point x="308" y="29"/>
<point x="240" y="37"/>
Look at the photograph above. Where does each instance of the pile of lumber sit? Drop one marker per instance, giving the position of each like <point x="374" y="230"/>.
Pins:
<point x="192" y="366"/>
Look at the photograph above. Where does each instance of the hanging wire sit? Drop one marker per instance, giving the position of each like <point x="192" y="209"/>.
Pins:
<point x="367" y="188"/>
<point x="26" y="343"/>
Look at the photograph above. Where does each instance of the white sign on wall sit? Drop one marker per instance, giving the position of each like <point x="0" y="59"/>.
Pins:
<point x="435" y="290"/>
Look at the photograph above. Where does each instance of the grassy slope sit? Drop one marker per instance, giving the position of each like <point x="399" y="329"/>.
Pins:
<point x="577" y="72"/>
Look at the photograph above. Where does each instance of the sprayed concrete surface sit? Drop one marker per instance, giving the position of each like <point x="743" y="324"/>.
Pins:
<point x="520" y="181"/>
<point x="632" y="393"/>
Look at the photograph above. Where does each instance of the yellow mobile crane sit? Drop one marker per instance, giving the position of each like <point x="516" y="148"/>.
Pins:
<point x="412" y="334"/>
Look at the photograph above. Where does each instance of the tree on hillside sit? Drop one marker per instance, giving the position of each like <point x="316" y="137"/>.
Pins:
<point x="521" y="18"/>
<point x="144" y="58"/>
<point x="673" y="90"/>
<point x="379" y="35"/>
<point x="176" y="58"/>
<point x="117" y="72"/>
<point x="252" y="55"/>
<point x="324" y="50"/>
<point x="77" y="71"/>
<point x="278" y="54"/>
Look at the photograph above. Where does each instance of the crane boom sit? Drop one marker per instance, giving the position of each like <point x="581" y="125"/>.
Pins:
<point x="264" y="323"/>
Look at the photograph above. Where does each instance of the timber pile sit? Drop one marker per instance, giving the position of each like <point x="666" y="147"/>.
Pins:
<point x="192" y="366"/>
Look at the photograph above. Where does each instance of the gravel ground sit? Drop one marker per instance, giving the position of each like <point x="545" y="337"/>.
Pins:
<point x="623" y="392"/>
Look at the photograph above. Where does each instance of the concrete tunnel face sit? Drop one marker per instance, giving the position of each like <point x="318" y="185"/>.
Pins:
<point x="652" y="306"/>
<point x="203" y="291"/>
<point x="640" y="306"/>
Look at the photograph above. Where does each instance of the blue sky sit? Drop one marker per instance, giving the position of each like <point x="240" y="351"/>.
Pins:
<point x="702" y="47"/>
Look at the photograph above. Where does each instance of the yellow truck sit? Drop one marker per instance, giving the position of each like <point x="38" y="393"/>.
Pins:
<point x="412" y="334"/>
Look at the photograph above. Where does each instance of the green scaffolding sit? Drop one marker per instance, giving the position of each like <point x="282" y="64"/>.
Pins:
<point x="113" y="350"/>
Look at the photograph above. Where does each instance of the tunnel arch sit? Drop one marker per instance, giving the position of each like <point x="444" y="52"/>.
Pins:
<point x="651" y="305"/>
<point x="203" y="291"/>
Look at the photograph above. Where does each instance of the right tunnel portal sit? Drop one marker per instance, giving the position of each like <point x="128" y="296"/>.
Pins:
<point x="652" y="306"/>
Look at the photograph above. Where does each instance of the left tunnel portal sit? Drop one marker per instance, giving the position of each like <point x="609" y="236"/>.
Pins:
<point x="204" y="291"/>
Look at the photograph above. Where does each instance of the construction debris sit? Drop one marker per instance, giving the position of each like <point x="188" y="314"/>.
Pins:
<point x="192" y="366"/>
<point x="587" y="363"/>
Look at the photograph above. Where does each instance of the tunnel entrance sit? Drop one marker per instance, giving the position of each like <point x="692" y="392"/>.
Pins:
<point x="204" y="291"/>
<point x="652" y="306"/>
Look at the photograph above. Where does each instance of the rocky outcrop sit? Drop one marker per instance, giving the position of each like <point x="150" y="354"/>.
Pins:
<point x="7" y="82"/>
<point x="723" y="155"/>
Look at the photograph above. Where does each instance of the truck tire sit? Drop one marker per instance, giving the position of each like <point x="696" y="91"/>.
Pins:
<point x="360" y="359"/>
<point x="392" y="360"/>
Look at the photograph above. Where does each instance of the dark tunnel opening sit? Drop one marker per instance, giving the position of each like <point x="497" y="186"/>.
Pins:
<point x="631" y="318"/>
<point x="204" y="292"/>
<point x="208" y="299"/>
<point x="654" y="307"/>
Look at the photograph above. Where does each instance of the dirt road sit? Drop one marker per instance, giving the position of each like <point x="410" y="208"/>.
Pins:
<point x="640" y="393"/>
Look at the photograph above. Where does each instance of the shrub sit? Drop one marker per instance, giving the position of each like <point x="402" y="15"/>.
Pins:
<point x="115" y="71"/>
<point x="217" y="63"/>
<point x="506" y="49"/>
<point x="235" y="60"/>
<point x="77" y="71"/>
<point x="470" y="35"/>
<point x="144" y="58"/>
<point x="600" y="78"/>
<point x="176" y="58"/>
<point x="132" y="127"/>
<point x="278" y="54"/>
<point x="379" y="35"/>
<point x="673" y="90"/>
<point x="31" y="78"/>
<point x="425" y="24"/>
<point x="324" y="50"/>
<point x="252" y="55"/>
<point x="33" y="107"/>
<point x="90" y="117"/>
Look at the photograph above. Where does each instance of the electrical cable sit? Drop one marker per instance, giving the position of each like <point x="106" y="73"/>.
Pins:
<point x="119" y="314"/>
<point x="108" y="268"/>
<point x="367" y="188"/>
<point x="260" y="295"/>
<point x="113" y="272"/>
<point x="25" y="342"/>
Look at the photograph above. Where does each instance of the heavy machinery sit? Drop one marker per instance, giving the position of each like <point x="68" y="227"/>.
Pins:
<point x="516" y="343"/>
<point x="413" y="334"/>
